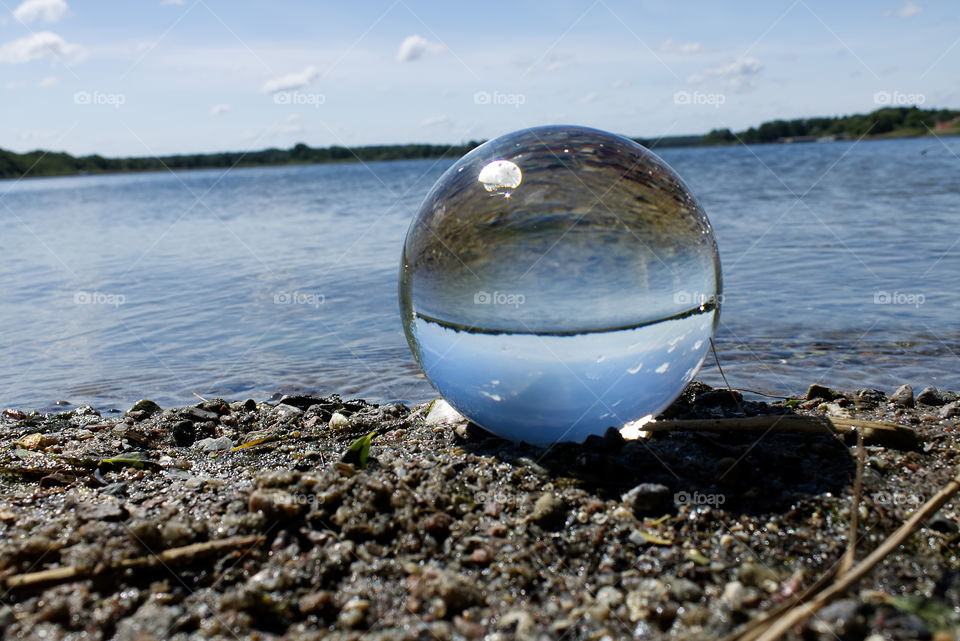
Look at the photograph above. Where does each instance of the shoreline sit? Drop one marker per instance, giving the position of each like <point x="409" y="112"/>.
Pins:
<point x="896" y="135"/>
<point x="449" y="532"/>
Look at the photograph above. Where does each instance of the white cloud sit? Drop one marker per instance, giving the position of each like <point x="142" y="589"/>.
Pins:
<point x="49" y="81"/>
<point x="909" y="10"/>
<point x="737" y="74"/>
<point x="416" y="46"/>
<point x="176" y="2"/>
<point x="49" y="10"/>
<point x="669" y="46"/>
<point x="219" y="110"/>
<point x="436" y="121"/>
<point x="588" y="97"/>
<point x="291" y="81"/>
<point x="42" y="44"/>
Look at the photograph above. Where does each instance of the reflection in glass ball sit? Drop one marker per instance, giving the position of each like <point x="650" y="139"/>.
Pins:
<point x="557" y="281"/>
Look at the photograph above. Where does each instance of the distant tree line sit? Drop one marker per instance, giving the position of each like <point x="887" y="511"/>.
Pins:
<point x="890" y="120"/>
<point x="905" y="121"/>
<point x="40" y="163"/>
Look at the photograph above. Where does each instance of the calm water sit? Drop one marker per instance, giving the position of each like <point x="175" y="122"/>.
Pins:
<point x="840" y="265"/>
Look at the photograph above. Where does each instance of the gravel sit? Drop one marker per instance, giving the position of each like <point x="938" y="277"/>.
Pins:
<point x="451" y="533"/>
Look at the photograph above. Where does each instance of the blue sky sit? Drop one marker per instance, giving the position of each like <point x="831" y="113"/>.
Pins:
<point x="167" y="76"/>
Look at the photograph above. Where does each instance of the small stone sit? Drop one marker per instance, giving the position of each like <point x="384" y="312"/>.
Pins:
<point x="198" y="415"/>
<point x="936" y="397"/>
<point x="734" y="593"/>
<point x="950" y="410"/>
<point x="940" y="523"/>
<point x="353" y="612"/>
<point x="754" y="575"/>
<point x="338" y="421"/>
<point x="214" y="444"/>
<point x="184" y="433"/>
<point x="469" y="629"/>
<point x="480" y="556"/>
<point x="840" y="619"/>
<point x="820" y="391"/>
<point x="613" y="440"/>
<point x="437" y="525"/>
<point x="454" y="591"/>
<point x="147" y="406"/>
<point x="549" y="512"/>
<point x="685" y="590"/>
<point x="442" y="413"/>
<point x="16" y="415"/>
<point x="903" y="397"/>
<point x="316" y="602"/>
<point x="522" y="621"/>
<point x="649" y="499"/>
<point x="276" y="505"/>
<point x="610" y="597"/>
<point x="288" y="412"/>
<point x="107" y="511"/>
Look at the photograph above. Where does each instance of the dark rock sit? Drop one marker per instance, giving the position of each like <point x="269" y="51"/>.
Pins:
<point x="822" y="392"/>
<point x="216" y="405"/>
<point x="936" y="397"/>
<point x="549" y="512"/>
<point x="841" y="619"/>
<point x="868" y="397"/>
<point x="16" y="415"/>
<point x="940" y="523"/>
<point x="118" y="490"/>
<point x="720" y="398"/>
<point x="593" y="443"/>
<point x="107" y="511"/>
<point x="198" y="415"/>
<point x="184" y="433"/>
<point x="437" y="525"/>
<point x="146" y="405"/>
<point x="305" y="401"/>
<point x="649" y="499"/>
<point x="903" y="397"/>
<point x="613" y="440"/>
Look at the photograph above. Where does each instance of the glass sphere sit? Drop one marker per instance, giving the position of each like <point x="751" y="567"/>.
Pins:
<point x="558" y="281"/>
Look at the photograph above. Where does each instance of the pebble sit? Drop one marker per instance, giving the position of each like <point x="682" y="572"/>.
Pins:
<point x="684" y="590"/>
<point x="821" y="391"/>
<point x="110" y="510"/>
<point x="649" y="499"/>
<point x="549" y="512"/>
<point x="936" y="396"/>
<point x="338" y="421"/>
<point x="198" y="415"/>
<point x="353" y="612"/>
<point x="213" y="444"/>
<point x="288" y="412"/>
<point x="755" y="575"/>
<point x="184" y="433"/>
<point x="276" y="505"/>
<point x="950" y="410"/>
<point x="147" y="406"/>
<point x="316" y="602"/>
<point x="903" y="397"/>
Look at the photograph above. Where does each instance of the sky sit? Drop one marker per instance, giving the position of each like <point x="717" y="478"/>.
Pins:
<point x="153" y="77"/>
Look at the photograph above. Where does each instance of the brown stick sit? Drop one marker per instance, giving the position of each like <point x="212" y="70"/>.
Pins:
<point x="874" y="433"/>
<point x="167" y="557"/>
<point x="851" y="554"/>
<point x="802" y="612"/>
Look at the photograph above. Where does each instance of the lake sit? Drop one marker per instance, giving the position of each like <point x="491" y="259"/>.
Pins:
<point x="840" y="265"/>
